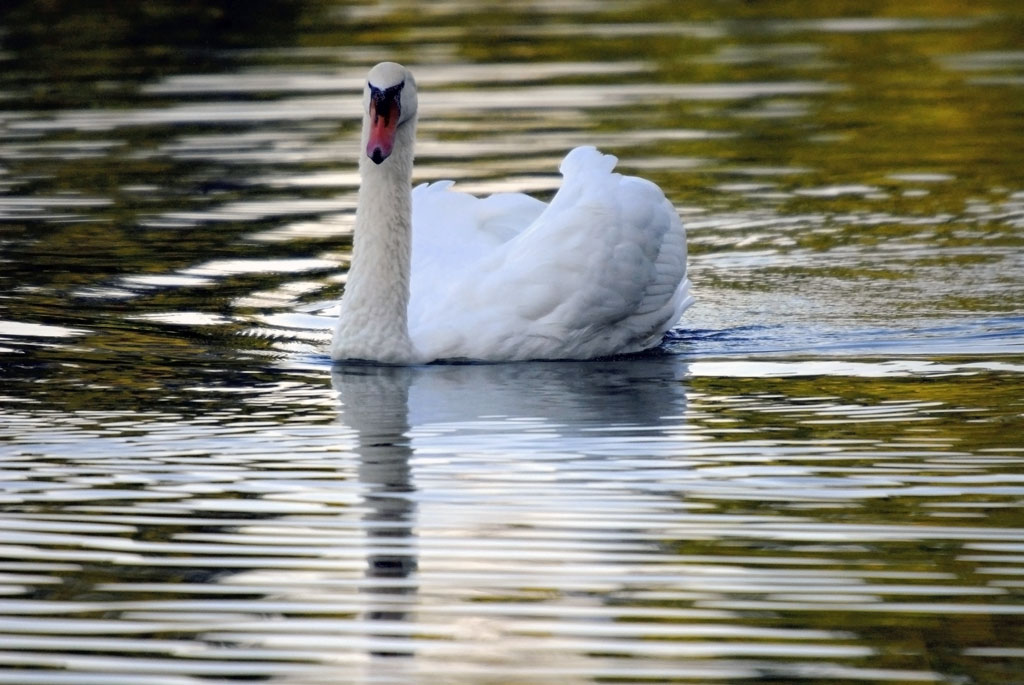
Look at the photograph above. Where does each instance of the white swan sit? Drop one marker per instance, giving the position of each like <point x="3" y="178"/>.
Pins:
<point x="438" y="274"/>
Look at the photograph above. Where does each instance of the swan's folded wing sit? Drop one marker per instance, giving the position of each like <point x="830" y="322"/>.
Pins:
<point x="452" y="229"/>
<point x="602" y="270"/>
<point x="616" y="251"/>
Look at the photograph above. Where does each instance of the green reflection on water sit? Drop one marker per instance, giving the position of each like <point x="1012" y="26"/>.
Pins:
<point x="964" y="412"/>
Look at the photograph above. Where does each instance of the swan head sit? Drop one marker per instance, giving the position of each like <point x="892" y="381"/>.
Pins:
<point x="389" y="101"/>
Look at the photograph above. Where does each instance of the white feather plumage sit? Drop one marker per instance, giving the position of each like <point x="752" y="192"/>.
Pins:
<point x="600" y="270"/>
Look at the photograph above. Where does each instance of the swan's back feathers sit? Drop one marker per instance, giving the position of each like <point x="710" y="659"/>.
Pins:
<point x="453" y="229"/>
<point x="598" y="271"/>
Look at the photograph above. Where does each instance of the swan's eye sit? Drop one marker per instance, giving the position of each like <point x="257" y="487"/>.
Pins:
<point x="385" y="103"/>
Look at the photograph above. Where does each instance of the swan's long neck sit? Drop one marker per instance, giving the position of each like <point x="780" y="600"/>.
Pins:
<point x="373" y="322"/>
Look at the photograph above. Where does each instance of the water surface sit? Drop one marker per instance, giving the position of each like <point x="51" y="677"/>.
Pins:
<point x="817" y="479"/>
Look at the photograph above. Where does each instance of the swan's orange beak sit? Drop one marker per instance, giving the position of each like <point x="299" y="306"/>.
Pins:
<point x="383" y="124"/>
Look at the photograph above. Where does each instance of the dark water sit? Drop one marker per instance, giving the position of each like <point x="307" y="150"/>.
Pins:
<point x="818" y="480"/>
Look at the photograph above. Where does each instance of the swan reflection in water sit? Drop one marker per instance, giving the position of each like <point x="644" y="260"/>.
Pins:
<point x="492" y="419"/>
<point x="376" y="412"/>
<point x="641" y="390"/>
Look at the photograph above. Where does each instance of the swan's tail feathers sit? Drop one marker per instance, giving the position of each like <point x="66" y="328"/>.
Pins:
<point x="683" y="300"/>
<point x="587" y="159"/>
